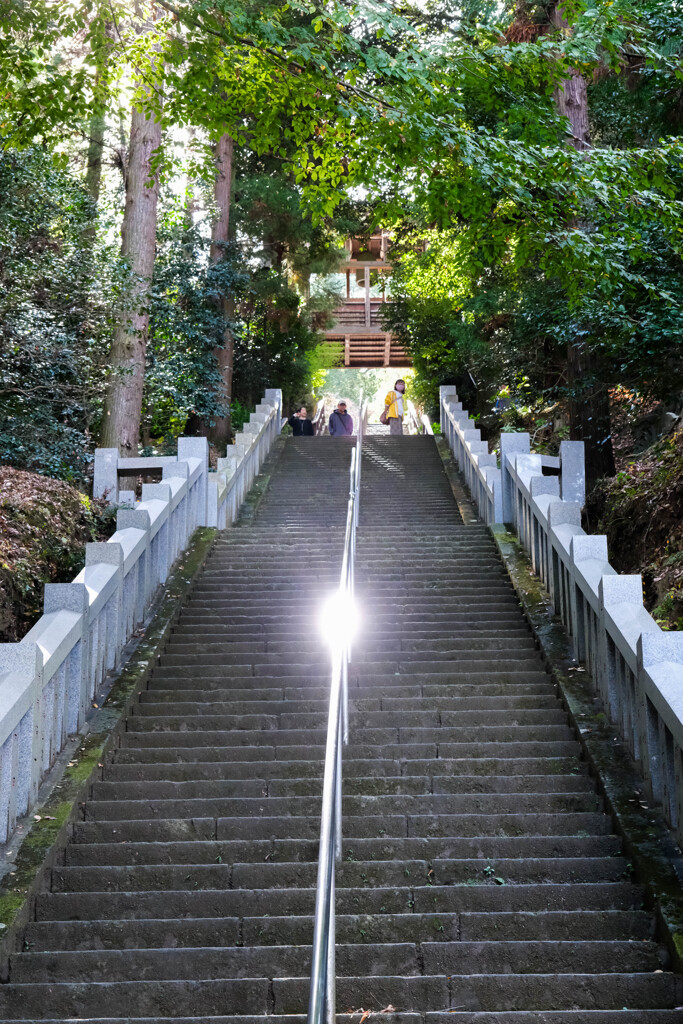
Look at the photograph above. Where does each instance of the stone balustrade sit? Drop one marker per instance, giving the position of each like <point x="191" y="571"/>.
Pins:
<point x="49" y="679"/>
<point x="635" y="666"/>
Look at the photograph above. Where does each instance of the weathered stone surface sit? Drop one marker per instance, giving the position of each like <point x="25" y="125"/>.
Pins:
<point x="481" y="880"/>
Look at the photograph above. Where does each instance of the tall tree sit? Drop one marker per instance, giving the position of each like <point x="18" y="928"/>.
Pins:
<point x="98" y="122"/>
<point x="123" y="405"/>
<point x="219" y="433"/>
<point x="589" y="406"/>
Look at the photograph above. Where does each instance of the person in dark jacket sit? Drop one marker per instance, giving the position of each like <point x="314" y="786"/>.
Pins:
<point x="341" y="424"/>
<point x="300" y="423"/>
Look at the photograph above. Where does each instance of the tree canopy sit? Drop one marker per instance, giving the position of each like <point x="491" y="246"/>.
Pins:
<point x="519" y="240"/>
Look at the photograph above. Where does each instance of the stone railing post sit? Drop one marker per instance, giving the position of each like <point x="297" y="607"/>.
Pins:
<point x="105" y="474"/>
<point x="197" y="448"/>
<point x="108" y="553"/>
<point x="510" y="446"/>
<point x="276" y="395"/>
<point x="73" y="597"/>
<point x="573" y="471"/>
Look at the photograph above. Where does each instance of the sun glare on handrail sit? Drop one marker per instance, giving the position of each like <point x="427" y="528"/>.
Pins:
<point x="338" y="621"/>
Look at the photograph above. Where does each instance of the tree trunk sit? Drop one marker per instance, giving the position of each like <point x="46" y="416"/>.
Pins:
<point x="571" y="98"/>
<point x="219" y="433"/>
<point x="123" y="405"/>
<point x="93" y="174"/>
<point x="589" y="408"/>
<point x="97" y="125"/>
<point x="589" y="412"/>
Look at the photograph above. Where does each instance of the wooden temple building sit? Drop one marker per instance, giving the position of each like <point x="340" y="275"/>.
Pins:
<point x="364" y="280"/>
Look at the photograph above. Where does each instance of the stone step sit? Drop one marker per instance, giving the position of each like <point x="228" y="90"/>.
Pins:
<point x="454" y="569"/>
<point x="524" y="774"/>
<point x="246" y="702"/>
<point x="246" y="699"/>
<point x="198" y="851"/>
<point x="213" y="678"/>
<point x="147" y="749"/>
<point x="144" y="829"/>
<point x="495" y="992"/>
<point x="206" y="963"/>
<point x="350" y="875"/>
<point x="586" y="1016"/>
<point x="482" y="603"/>
<point x="399" y="958"/>
<point x="213" y="805"/>
<point x="216" y="716"/>
<point x="523" y="659"/>
<point x="350" y="928"/>
<point x="454" y="1017"/>
<point x="228" y="632"/>
<point x="445" y="674"/>
<point x="451" y="742"/>
<point x="314" y="645"/>
<point x="571" y="795"/>
<point x="430" y="899"/>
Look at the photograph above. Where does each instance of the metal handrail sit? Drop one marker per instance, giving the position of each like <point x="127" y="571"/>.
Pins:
<point x="321" y="1006"/>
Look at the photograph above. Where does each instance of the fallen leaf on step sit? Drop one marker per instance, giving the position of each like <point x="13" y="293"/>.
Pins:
<point x="388" y="1009"/>
<point x="366" y="1014"/>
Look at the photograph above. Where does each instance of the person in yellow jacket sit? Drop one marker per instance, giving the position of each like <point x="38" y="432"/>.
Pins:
<point x="394" y="407"/>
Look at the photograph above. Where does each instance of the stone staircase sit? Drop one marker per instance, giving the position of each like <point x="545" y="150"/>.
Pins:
<point x="481" y="881"/>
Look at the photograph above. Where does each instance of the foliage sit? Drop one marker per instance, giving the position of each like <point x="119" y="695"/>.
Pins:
<point x="641" y="512"/>
<point x="350" y="384"/>
<point x="186" y="325"/>
<point x="274" y="337"/>
<point x="53" y="314"/>
<point x="322" y="361"/>
<point x="49" y="54"/>
<point x="44" y="525"/>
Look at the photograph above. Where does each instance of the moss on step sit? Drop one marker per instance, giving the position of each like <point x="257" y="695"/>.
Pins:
<point x="261" y="483"/>
<point x="47" y="828"/>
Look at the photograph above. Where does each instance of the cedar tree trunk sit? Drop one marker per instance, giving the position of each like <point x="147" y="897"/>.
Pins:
<point x="93" y="174"/>
<point x="123" y="405"/>
<point x="589" y="410"/>
<point x="219" y="433"/>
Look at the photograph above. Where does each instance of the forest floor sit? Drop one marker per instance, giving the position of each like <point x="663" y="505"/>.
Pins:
<point x="641" y="512"/>
<point x="44" y="527"/>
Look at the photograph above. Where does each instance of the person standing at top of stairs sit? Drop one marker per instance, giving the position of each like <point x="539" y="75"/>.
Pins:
<point x="394" y="407"/>
<point x="340" y="423"/>
<point x="301" y="424"/>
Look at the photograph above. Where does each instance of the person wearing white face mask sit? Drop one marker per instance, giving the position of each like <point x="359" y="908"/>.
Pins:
<point x="394" y="407"/>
